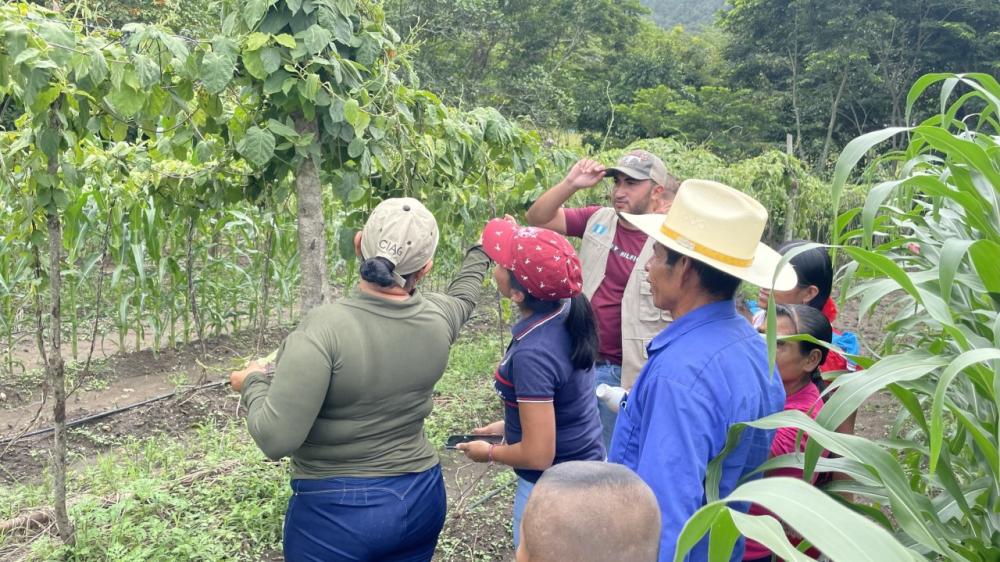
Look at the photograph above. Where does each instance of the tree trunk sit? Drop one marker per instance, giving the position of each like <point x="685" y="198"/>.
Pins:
<point x="262" y="311"/>
<point x="55" y="365"/>
<point x="795" y="108"/>
<point x="192" y="297"/>
<point x="311" y="227"/>
<point x="57" y="380"/>
<point x="821" y="163"/>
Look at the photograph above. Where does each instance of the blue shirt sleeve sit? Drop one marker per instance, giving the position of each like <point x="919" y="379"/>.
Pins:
<point x="680" y="439"/>
<point x="535" y="376"/>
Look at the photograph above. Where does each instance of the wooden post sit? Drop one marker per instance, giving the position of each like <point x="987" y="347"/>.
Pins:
<point x="793" y="192"/>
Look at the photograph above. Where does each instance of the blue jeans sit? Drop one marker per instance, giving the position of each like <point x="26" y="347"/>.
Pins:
<point x="611" y="375"/>
<point x="392" y="518"/>
<point x="520" y="500"/>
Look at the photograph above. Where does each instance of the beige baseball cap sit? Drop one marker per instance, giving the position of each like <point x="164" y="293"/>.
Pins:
<point x="402" y="231"/>
<point x="641" y="165"/>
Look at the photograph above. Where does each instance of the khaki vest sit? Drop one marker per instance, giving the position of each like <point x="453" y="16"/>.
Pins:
<point x="641" y="321"/>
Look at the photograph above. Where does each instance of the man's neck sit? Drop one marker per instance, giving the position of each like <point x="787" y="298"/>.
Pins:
<point x="626" y="225"/>
<point x="691" y="300"/>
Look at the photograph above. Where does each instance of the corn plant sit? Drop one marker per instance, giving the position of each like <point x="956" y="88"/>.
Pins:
<point x="929" y="249"/>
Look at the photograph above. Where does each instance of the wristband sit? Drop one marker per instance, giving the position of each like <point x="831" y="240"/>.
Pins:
<point x="489" y="455"/>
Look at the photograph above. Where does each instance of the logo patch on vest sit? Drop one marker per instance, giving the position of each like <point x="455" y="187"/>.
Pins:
<point x="599" y="229"/>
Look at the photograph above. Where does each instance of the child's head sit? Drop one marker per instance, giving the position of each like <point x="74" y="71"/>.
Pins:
<point x="590" y="511"/>
<point x="815" y="272"/>
<point x="799" y="361"/>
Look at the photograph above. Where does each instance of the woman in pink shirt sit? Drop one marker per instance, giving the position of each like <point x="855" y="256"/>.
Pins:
<point x="798" y="363"/>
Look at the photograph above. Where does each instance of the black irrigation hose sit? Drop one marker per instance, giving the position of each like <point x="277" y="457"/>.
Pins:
<point x="91" y="418"/>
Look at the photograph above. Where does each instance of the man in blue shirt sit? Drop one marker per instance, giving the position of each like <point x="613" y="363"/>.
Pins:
<point x="708" y="370"/>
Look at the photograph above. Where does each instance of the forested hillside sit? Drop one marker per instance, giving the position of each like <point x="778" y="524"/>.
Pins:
<point x="691" y="14"/>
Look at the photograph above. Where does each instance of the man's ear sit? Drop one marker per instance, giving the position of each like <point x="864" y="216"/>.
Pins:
<point x="661" y="203"/>
<point x="357" y="243"/>
<point x="686" y="266"/>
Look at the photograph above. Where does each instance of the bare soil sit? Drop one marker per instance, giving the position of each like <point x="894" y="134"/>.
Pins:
<point x="877" y="415"/>
<point x="478" y="525"/>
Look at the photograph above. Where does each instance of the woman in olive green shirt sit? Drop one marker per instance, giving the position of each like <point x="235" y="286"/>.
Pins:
<point x="351" y="389"/>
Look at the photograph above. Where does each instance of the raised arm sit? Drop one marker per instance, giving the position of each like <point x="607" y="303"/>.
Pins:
<point x="547" y="211"/>
<point x="462" y="295"/>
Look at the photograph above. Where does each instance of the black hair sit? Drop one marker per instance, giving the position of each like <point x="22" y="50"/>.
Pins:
<point x="811" y="322"/>
<point x="813" y="267"/>
<point x="716" y="283"/>
<point x="580" y="323"/>
<point x="379" y="270"/>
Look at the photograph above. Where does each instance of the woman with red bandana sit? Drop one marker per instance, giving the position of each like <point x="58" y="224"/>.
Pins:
<point x="546" y="376"/>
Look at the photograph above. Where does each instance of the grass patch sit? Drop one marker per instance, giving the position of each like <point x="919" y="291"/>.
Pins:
<point x="212" y="495"/>
<point x="464" y="398"/>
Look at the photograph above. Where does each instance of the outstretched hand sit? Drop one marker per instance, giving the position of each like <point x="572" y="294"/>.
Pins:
<point x="585" y="173"/>
<point x="236" y="378"/>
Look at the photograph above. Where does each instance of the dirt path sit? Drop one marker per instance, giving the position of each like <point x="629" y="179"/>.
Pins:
<point x="123" y="381"/>
<point x="478" y="525"/>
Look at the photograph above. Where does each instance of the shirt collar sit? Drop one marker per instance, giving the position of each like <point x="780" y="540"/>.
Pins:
<point x="705" y="314"/>
<point x="527" y="325"/>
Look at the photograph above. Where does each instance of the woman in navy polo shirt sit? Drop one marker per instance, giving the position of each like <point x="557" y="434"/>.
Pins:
<point x="546" y="377"/>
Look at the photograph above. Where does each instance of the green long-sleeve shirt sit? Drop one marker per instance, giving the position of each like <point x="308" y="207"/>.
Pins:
<point x="353" y="382"/>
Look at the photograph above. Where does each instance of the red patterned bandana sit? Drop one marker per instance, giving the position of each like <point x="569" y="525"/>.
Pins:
<point x="544" y="262"/>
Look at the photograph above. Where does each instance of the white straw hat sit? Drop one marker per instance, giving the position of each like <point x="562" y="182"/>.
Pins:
<point x="722" y="227"/>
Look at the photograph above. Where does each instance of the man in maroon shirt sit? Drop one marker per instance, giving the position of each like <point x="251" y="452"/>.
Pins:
<point x="619" y="293"/>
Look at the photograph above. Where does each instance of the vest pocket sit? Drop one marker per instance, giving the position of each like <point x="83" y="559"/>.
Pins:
<point x="647" y="312"/>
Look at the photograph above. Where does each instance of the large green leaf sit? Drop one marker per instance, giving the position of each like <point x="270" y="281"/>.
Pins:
<point x="952" y="253"/>
<point x="884" y="265"/>
<point x="254" y="10"/>
<point x="853" y="153"/>
<point x="985" y="256"/>
<point x="767" y="531"/>
<point x="126" y="101"/>
<point x="696" y="527"/>
<point x="257" y="146"/>
<point x="964" y="151"/>
<point x="315" y="38"/>
<point x="848" y="392"/>
<point x="147" y="69"/>
<point x="913" y="511"/>
<point x="834" y="529"/>
<point x="873" y="204"/>
<point x="216" y="72"/>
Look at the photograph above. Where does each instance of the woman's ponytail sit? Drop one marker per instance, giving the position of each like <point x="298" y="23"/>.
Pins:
<point x="582" y="332"/>
<point x="378" y="270"/>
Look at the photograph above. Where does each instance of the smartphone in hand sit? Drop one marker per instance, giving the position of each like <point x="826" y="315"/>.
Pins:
<point x="454" y="440"/>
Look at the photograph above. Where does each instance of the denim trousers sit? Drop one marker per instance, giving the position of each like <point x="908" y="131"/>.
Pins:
<point x="611" y="375"/>
<point x="520" y="501"/>
<point x="365" y="519"/>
